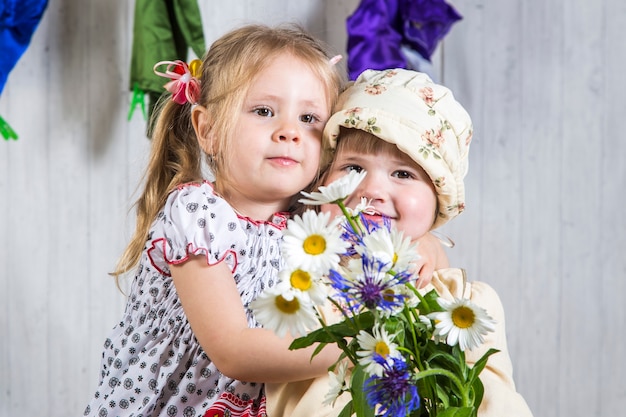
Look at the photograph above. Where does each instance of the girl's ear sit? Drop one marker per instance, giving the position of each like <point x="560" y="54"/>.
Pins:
<point x="202" y="123"/>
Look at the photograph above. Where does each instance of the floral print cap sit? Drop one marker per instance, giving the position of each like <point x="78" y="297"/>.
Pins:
<point x="406" y="108"/>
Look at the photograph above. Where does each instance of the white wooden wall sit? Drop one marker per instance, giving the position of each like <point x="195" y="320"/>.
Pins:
<point x="543" y="80"/>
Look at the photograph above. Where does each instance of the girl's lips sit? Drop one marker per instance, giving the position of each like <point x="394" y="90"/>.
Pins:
<point x="377" y="217"/>
<point x="283" y="161"/>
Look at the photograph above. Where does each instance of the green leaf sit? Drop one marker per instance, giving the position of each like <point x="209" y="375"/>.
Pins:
<point x="439" y="359"/>
<point x="442" y="395"/>
<point x="330" y="334"/>
<point x="430" y="299"/>
<point x="359" y="400"/>
<point x="457" y="412"/>
<point x="318" y="349"/>
<point x="347" y="410"/>
<point x="480" y="364"/>
<point x="479" y="390"/>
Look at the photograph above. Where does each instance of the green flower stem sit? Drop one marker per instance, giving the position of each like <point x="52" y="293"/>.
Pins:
<point x="462" y="363"/>
<point x="341" y="344"/>
<point x="423" y="304"/>
<point x="340" y="341"/>
<point x="349" y="217"/>
<point x="411" y="315"/>
<point x="416" y="357"/>
<point x="443" y="372"/>
<point x="349" y="319"/>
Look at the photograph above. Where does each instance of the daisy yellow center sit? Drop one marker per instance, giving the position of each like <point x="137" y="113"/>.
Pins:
<point x="300" y="279"/>
<point x="395" y="258"/>
<point x="314" y="245"/>
<point x="388" y="295"/>
<point x="287" y="306"/>
<point x="382" y="349"/>
<point x="463" y="317"/>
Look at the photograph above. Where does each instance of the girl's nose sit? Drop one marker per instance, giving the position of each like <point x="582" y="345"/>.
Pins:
<point x="372" y="188"/>
<point x="286" y="131"/>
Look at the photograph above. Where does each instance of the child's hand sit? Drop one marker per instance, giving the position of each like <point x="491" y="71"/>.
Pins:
<point x="432" y="258"/>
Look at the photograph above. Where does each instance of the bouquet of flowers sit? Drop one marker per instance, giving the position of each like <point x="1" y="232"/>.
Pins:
<point x="403" y="351"/>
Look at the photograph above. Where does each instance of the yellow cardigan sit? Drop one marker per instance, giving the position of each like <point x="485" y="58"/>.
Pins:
<point x="304" y="398"/>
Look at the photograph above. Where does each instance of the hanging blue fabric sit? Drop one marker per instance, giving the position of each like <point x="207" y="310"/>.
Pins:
<point x="18" y="21"/>
<point x="380" y="32"/>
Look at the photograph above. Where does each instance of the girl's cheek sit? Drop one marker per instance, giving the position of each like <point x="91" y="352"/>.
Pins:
<point x="333" y="209"/>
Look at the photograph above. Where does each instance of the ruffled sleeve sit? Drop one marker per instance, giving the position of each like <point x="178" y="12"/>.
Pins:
<point x="195" y="221"/>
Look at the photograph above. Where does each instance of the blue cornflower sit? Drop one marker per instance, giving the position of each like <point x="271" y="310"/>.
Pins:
<point x="393" y="392"/>
<point x="366" y="283"/>
<point x="355" y="238"/>
<point x="372" y="225"/>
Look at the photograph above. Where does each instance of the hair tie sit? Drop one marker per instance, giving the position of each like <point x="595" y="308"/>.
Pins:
<point x="185" y="85"/>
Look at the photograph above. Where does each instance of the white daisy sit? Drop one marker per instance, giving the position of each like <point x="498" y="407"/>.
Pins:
<point x="380" y="343"/>
<point x="308" y="282"/>
<point x="283" y="310"/>
<point x="389" y="247"/>
<point x="426" y="321"/>
<point x="462" y="322"/>
<point x="363" y="207"/>
<point x="405" y="250"/>
<point x="312" y="244"/>
<point x="378" y="245"/>
<point x="336" y="191"/>
<point x="338" y="383"/>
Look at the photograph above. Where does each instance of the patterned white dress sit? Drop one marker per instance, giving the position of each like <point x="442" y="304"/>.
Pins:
<point x="152" y="364"/>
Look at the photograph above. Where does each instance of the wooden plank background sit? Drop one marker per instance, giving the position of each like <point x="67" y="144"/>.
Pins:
<point x="544" y="83"/>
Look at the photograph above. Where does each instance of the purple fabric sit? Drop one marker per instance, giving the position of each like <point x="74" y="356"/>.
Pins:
<point x="378" y="28"/>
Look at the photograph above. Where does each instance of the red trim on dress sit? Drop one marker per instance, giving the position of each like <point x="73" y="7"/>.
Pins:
<point x="283" y="215"/>
<point x="188" y="250"/>
<point x="229" y="405"/>
<point x="280" y="225"/>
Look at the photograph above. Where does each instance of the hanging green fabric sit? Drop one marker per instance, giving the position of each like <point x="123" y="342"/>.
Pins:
<point x="164" y="30"/>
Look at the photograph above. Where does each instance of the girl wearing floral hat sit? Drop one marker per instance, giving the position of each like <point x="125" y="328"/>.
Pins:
<point x="412" y="138"/>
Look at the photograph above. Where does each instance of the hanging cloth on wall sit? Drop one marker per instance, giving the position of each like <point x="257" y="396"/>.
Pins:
<point x="164" y="30"/>
<point x="18" y="21"/>
<point x="385" y="34"/>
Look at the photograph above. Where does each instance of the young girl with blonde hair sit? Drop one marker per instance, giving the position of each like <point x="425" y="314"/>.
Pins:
<point x="187" y="344"/>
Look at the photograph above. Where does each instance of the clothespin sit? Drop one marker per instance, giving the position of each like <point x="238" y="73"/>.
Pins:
<point x="137" y="100"/>
<point x="6" y="130"/>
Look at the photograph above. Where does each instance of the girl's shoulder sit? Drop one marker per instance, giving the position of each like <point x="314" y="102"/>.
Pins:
<point x="199" y="203"/>
<point x="194" y="196"/>
<point x="205" y="191"/>
<point x="204" y="187"/>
